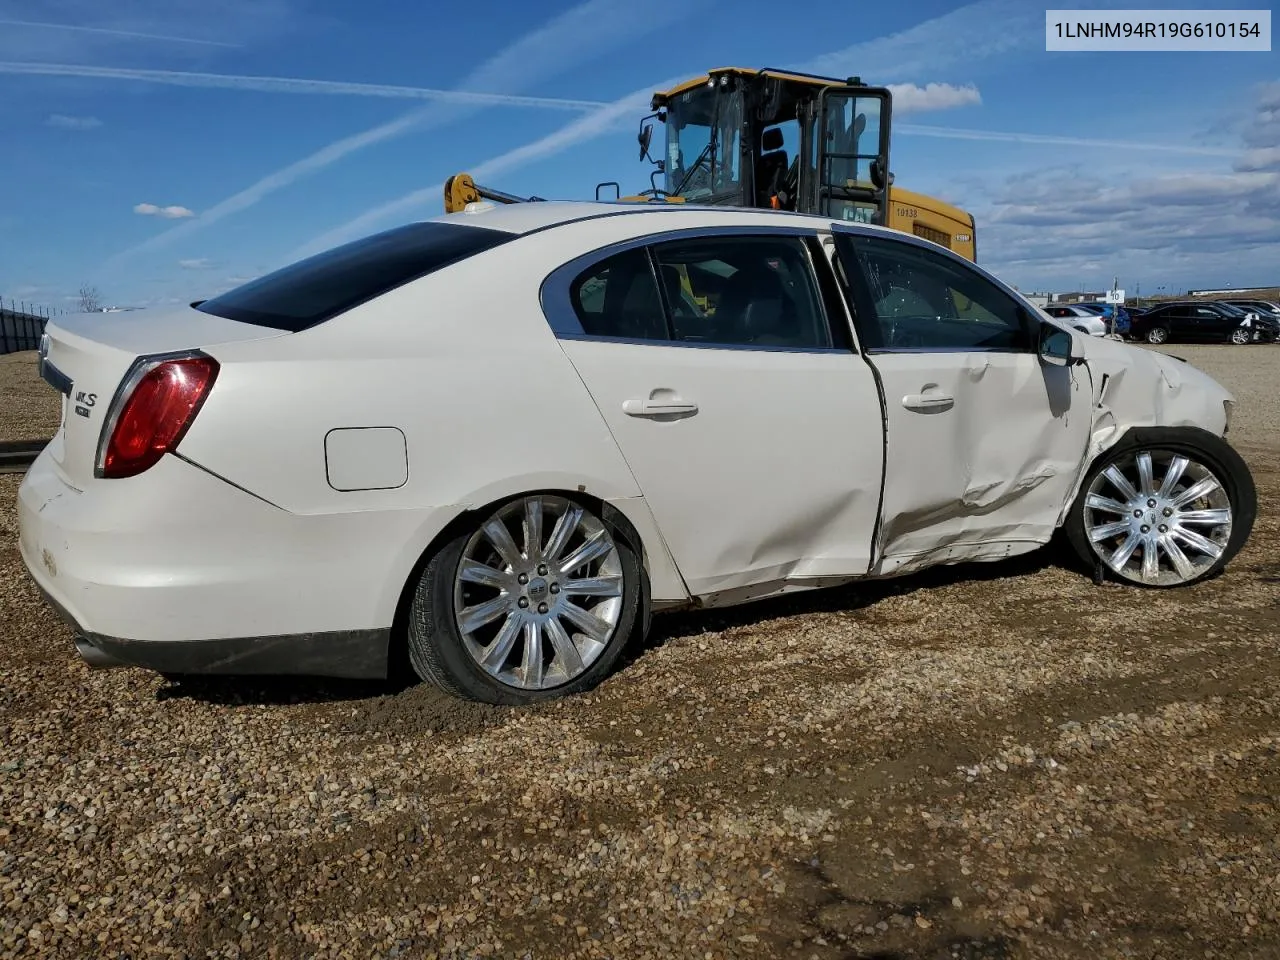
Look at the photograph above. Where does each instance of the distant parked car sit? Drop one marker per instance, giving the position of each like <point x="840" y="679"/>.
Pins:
<point x="1264" y="329"/>
<point x="1191" y="321"/>
<point x="1076" y="314"/>
<point x="1266" y="314"/>
<point x="1264" y="308"/>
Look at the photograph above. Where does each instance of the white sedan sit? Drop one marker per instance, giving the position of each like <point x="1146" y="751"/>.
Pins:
<point x="1080" y="318"/>
<point x="494" y="442"/>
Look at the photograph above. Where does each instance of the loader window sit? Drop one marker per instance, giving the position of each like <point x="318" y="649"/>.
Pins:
<point x="704" y="127"/>
<point x="321" y="287"/>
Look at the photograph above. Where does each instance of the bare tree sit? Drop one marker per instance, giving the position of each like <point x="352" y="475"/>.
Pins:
<point x="90" y="299"/>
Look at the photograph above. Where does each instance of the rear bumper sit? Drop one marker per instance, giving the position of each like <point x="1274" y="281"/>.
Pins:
<point x="178" y="571"/>
<point x="352" y="654"/>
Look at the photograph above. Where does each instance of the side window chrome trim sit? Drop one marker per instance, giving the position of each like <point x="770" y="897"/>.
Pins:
<point x="876" y="350"/>
<point x="557" y="304"/>
<point x="700" y="344"/>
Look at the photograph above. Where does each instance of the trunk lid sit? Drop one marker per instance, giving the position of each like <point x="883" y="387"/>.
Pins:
<point x="86" y="357"/>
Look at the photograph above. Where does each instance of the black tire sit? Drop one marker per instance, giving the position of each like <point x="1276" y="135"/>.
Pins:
<point x="1157" y="335"/>
<point x="1212" y="451"/>
<point x="1240" y="336"/>
<point x="435" y="645"/>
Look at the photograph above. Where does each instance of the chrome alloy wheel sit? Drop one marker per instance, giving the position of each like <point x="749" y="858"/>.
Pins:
<point x="535" y="608"/>
<point x="1241" y="335"/>
<point x="1157" y="517"/>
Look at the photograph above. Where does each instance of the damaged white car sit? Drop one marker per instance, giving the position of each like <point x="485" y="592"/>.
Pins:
<point x="495" y="442"/>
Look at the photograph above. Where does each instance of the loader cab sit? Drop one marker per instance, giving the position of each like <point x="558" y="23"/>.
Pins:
<point x="775" y="139"/>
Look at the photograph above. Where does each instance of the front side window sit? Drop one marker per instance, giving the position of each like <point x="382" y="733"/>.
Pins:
<point x="311" y="291"/>
<point x="743" y="291"/>
<point x="914" y="298"/>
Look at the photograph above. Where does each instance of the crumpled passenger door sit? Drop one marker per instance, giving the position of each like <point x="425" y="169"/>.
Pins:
<point x="984" y="442"/>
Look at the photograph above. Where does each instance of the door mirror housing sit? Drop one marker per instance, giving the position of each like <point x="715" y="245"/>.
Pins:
<point x="644" y="138"/>
<point x="1057" y="346"/>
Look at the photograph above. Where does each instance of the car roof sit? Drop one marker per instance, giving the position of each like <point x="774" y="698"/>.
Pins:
<point x="531" y="216"/>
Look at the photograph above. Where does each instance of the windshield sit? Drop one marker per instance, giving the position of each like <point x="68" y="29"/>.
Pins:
<point x="703" y="156"/>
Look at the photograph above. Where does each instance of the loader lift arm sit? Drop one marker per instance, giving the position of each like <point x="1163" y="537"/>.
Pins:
<point x="461" y="189"/>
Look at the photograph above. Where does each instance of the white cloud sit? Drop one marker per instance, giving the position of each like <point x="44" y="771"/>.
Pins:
<point x="594" y="125"/>
<point x="64" y="122"/>
<point x="922" y="42"/>
<point x="1264" y="158"/>
<point x="98" y="32"/>
<point x="578" y="35"/>
<point x="960" y="133"/>
<point x="104" y="31"/>
<point x="197" y="263"/>
<point x="294" y="85"/>
<point x="1204" y="227"/>
<point x="168" y="213"/>
<point x="967" y="34"/>
<point x="909" y="98"/>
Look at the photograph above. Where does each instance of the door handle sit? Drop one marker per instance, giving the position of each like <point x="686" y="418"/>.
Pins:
<point x="635" y="407"/>
<point x="927" y="401"/>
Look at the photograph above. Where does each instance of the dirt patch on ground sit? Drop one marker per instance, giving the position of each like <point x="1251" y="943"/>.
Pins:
<point x="986" y="762"/>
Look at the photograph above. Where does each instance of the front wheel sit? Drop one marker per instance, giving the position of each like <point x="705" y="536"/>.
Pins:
<point x="1166" y="508"/>
<point x="1241" y="335"/>
<point x="533" y="601"/>
<point x="1157" y="335"/>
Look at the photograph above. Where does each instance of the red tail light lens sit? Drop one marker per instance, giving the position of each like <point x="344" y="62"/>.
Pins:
<point x="154" y="414"/>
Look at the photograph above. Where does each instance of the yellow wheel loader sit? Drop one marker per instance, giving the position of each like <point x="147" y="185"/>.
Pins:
<point x="780" y="140"/>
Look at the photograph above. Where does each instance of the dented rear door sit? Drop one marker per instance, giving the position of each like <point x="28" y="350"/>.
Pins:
<point x="984" y="442"/>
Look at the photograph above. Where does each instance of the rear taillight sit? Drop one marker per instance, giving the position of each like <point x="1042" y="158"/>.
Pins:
<point x="153" y="409"/>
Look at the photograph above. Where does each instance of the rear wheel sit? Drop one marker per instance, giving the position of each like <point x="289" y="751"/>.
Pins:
<point x="1157" y="335"/>
<point x="533" y="601"/>
<point x="1165" y="509"/>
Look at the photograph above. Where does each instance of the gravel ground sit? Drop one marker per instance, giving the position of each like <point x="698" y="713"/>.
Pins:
<point x="28" y="406"/>
<point x="992" y="761"/>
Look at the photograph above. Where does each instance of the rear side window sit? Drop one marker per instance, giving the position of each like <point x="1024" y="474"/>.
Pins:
<point x="618" y="297"/>
<point x="311" y="291"/>
<point x="743" y="291"/>
<point x="721" y="291"/>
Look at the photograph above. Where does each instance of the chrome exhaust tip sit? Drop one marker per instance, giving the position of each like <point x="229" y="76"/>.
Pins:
<point x="95" y="658"/>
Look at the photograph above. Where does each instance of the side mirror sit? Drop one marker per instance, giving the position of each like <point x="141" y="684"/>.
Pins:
<point x="645" y="137"/>
<point x="1057" y="346"/>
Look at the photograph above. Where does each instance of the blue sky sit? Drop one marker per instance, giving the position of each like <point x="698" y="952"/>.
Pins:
<point x="164" y="150"/>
